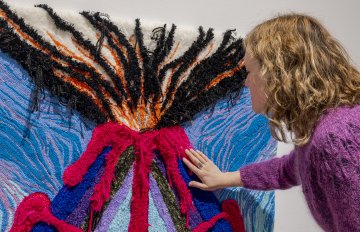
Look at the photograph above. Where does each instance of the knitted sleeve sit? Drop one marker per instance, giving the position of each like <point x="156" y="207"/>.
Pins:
<point x="276" y="173"/>
<point x="338" y="175"/>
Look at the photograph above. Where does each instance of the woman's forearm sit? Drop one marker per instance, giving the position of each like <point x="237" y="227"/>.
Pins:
<point x="276" y="173"/>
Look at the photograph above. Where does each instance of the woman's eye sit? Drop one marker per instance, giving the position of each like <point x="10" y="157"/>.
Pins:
<point x="246" y="71"/>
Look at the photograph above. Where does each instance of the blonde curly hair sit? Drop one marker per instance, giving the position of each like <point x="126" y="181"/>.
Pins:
<point x="308" y="72"/>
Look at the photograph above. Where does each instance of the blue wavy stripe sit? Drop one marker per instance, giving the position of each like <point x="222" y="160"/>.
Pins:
<point x="233" y="136"/>
<point x="36" y="162"/>
<point x="68" y="198"/>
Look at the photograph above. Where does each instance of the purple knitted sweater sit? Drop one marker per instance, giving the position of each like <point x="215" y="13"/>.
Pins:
<point x="327" y="167"/>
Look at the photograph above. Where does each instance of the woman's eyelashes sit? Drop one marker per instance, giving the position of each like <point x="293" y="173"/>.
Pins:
<point x="246" y="71"/>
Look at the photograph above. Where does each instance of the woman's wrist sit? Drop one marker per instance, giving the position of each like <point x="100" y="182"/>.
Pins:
<point x="232" y="179"/>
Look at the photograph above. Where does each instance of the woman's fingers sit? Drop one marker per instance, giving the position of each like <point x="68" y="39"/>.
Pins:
<point x="203" y="156"/>
<point x="198" y="185"/>
<point x="192" y="167"/>
<point x="198" y="155"/>
<point x="195" y="157"/>
<point x="195" y="170"/>
<point x="195" y="163"/>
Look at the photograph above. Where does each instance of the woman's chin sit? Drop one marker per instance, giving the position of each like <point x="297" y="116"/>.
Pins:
<point x="257" y="110"/>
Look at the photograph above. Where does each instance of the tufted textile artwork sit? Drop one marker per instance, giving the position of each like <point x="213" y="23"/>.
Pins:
<point x="95" y="115"/>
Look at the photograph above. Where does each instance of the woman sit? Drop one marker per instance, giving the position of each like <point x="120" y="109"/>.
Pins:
<point x="300" y="76"/>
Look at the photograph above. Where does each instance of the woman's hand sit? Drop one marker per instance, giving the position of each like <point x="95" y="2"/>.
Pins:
<point x="210" y="175"/>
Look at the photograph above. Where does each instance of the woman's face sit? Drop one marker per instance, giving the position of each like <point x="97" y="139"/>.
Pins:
<point x="255" y="82"/>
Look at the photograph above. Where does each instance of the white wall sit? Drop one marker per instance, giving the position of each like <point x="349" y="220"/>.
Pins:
<point x="340" y="17"/>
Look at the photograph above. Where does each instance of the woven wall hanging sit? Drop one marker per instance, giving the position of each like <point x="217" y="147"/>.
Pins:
<point x="95" y="114"/>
